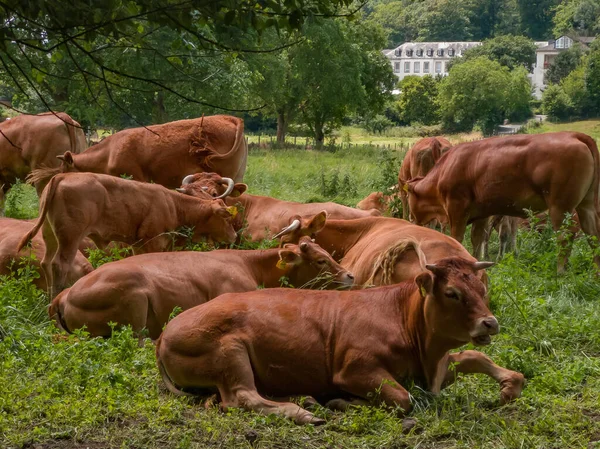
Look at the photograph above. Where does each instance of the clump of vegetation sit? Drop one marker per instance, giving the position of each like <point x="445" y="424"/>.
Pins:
<point x="21" y="202"/>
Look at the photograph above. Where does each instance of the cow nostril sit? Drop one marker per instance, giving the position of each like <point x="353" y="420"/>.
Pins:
<point x="490" y="323"/>
<point x="350" y="276"/>
<point x="486" y="323"/>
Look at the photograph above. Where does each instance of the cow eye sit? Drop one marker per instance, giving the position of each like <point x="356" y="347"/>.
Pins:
<point x="452" y="294"/>
<point x="321" y="262"/>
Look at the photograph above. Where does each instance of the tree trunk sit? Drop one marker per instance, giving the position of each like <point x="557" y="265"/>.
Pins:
<point x="282" y="124"/>
<point x="160" y="113"/>
<point x="319" y="136"/>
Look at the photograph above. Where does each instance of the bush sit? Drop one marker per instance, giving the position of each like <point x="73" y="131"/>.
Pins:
<point x="556" y="103"/>
<point x="377" y="124"/>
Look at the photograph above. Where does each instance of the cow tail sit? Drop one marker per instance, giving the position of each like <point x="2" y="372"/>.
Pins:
<point x="165" y="376"/>
<point x="436" y="149"/>
<point x="47" y="195"/>
<point x="591" y="144"/>
<point x="238" y="144"/>
<point x="387" y="260"/>
<point x="70" y="124"/>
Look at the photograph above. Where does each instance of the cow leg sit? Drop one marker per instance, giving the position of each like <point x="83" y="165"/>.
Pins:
<point x="51" y="245"/>
<point x="479" y="238"/>
<point x="590" y="225"/>
<point x="565" y="239"/>
<point x="379" y="385"/>
<point x="404" y="200"/>
<point x="458" y="223"/>
<point x="61" y="265"/>
<point x="343" y="404"/>
<point x="474" y="362"/>
<point x="239" y="390"/>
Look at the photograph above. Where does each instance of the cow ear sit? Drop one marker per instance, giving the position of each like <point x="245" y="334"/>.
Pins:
<point x="425" y="283"/>
<point x="67" y="158"/>
<point x="287" y="257"/>
<point x="316" y="223"/>
<point x="238" y="189"/>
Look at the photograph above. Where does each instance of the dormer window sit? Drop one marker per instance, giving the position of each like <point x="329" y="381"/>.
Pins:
<point x="430" y="52"/>
<point x="451" y="52"/>
<point x="409" y="53"/>
<point x="420" y="52"/>
<point x="440" y="52"/>
<point x="398" y="52"/>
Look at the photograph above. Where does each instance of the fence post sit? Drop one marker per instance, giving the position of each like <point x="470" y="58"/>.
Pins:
<point x="259" y="140"/>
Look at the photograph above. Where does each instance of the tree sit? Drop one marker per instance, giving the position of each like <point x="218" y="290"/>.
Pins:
<point x="574" y="86"/>
<point x="592" y="78"/>
<point x="444" y="20"/>
<point x="418" y="101"/>
<point x="556" y="103"/>
<point x="564" y="63"/>
<point x="581" y="16"/>
<point x="509" y="51"/>
<point x="396" y="20"/>
<point x="481" y="92"/>
<point x="536" y="17"/>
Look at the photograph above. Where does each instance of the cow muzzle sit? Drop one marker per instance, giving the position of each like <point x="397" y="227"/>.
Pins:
<point x="346" y="280"/>
<point x="485" y="327"/>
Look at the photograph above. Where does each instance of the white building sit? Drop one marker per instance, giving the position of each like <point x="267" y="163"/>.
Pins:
<point x="425" y="58"/>
<point x="546" y="53"/>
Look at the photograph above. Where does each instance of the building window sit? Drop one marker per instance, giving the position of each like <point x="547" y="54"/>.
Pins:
<point x="409" y="53"/>
<point x="398" y="52"/>
<point x="440" y="52"/>
<point x="430" y="52"/>
<point x="396" y="67"/>
<point x="407" y="67"/>
<point x="438" y="67"/>
<point x="417" y="67"/>
<point x="426" y="67"/>
<point x="450" y="52"/>
<point x="420" y="52"/>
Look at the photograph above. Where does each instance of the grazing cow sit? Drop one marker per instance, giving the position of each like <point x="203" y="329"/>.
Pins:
<point x="506" y="175"/>
<point x="375" y="200"/>
<point x="419" y="161"/>
<point x="107" y="208"/>
<point x="377" y="250"/>
<point x="142" y="291"/>
<point x="261" y="217"/>
<point x="361" y="345"/>
<point x="481" y="231"/>
<point x="164" y="154"/>
<point x="11" y="233"/>
<point x="28" y="142"/>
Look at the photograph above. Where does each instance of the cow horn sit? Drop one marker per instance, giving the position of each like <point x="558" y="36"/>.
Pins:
<point x="61" y="157"/>
<point x="187" y="180"/>
<point x="483" y="265"/>
<point x="230" y="186"/>
<point x="180" y="190"/>
<point x="289" y="229"/>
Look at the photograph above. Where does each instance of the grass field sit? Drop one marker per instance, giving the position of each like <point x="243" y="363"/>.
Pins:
<point x="591" y="127"/>
<point x="59" y="391"/>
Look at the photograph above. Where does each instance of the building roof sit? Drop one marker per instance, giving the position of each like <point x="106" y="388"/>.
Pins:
<point x="550" y="45"/>
<point x="459" y="47"/>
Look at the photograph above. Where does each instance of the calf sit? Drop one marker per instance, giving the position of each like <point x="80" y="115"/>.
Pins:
<point x="364" y="344"/>
<point x="261" y="217"/>
<point x="506" y="175"/>
<point x="107" y="208"/>
<point x="11" y="233"/>
<point x="142" y="291"/>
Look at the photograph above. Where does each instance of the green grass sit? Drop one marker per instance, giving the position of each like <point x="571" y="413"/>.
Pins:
<point x="73" y="391"/>
<point x="590" y="127"/>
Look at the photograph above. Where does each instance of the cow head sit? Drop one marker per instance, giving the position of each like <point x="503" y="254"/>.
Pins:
<point x="210" y="185"/>
<point x="218" y="226"/>
<point x="424" y="205"/>
<point x="68" y="163"/>
<point x="300" y="227"/>
<point x="307" y="264"/>
<point x="455" y="305"/>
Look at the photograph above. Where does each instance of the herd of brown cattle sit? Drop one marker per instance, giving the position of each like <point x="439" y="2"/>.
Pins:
<point x="416" y="293"/>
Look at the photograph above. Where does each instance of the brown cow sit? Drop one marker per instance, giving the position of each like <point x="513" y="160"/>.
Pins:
<point x="164" y="154"/>
<point x="377" y="250"/>
<point x="362" y="345"/>
<point x="11" y="233"/>
<point x="506" y="175"/>
<point x="375" y="200"/>
<point x="261" y="217"/>
<point x="481" y="231"/>
<point x="28" y="142"/>
<point x="419" y="161"/>
<point x="142" y="291"/>
<point x="107" y="208"/>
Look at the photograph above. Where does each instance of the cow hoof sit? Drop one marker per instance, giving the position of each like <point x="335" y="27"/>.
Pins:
<point x="305" y="417"/>
<point x="309" y="403"/>
<point x="408" y="424"/>
<point x="511" y="388"/>
<point x="211" y="401"/>
<point x="317" y="421"/>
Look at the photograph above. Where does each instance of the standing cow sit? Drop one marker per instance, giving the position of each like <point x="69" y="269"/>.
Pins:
<point x="419" y="161"/>
<point x="164" y="154"/>
<point x="506" y="175"/>
<point x="29" y="142"/>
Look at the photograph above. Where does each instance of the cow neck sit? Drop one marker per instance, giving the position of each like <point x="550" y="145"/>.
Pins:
<point x="339" y="236"/>
<point x="191" y="211"/>
<point x="244" y="205"/>
<point x="93" y="160"/>
<point x="263" y="263"/>
<point x="431" y="349"/>
<point x="427" y="189"/>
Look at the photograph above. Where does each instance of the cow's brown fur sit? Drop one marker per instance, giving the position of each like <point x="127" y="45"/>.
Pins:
<point x="419" y="161"/>
<point x="375" y="200"/>
<point x="28" y="142"/>
<point x="362" y="344"/>
<point x="12" y="232"/>
<point x="507" y="175"/>
<point x="164" y="154"/>
<point x="142" y="291"/>
<point x="107" y="208"/>
<point x="261" y="217"/>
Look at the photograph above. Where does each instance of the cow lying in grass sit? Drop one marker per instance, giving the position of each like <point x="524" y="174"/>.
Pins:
<point x="142" y="291"/>
<point x="261" y="217"/>
<point x="11" y="233"/>
<point x="107" y="208"/>
<point x="360" y="345"/>
<point x="377" y="250"/>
